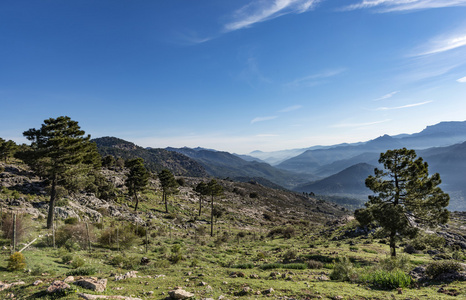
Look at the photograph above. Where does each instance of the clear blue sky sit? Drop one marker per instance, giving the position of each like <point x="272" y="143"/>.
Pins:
<point x="233" y="75"/>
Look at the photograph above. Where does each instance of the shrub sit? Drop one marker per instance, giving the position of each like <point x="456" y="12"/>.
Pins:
<point x="126" y="237"/>
<point x="424" y="241"/>
<point x="16" y="262"/>
<point x="70" y="236"/>
<point x="175" y="255"/>
<point x="391" y="263"/>
<point x="285" y="232"/>
<point x="289" y="255"/>
<point x="77" y="262"/>
<point x="84" y="271"/>
<point x="71" y="220"/>
<point x="295" y="266"/>
<point x="271" y="266"/>
<point x="314" y="264"/>
<point x="7" y="227"/>
<point x="67" y="258"/>
<point x="388" y="279"/>
<point x="437" y="268"/>
<point x="125" y="262"/>
<point x="344" y="270"/>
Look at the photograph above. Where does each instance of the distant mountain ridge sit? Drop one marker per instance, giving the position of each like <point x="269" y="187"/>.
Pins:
<point x="224" y="164"/>
<point x="154" y="159"/>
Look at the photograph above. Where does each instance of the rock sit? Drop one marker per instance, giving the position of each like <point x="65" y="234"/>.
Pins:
<point x="4" y="286"/>
<point x="179" y="293"/>
<point x="130" y="274"/>
<point x="37" y="282"/>
<point x="323" y="278"/>
<point x="145" y="261"/>
<point x="268" y="291"/>
<point x="254" y="276"/>
<point x="93" y="297"/>
<point x="69" y="279"/>
<point x="92" y="283"/>
<point x="57" y="286"/>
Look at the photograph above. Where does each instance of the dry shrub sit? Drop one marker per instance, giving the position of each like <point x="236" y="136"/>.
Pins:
<point x="73" y="236"/>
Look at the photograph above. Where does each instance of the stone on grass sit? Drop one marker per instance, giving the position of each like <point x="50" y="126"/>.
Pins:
<point x="57" y="286"/>
<point x="130" y="274"/>
<point x="179" y="293"/>
<point x="94" y="297"/>
<point x="4" y="286"/>
<point x="92" y="283"/>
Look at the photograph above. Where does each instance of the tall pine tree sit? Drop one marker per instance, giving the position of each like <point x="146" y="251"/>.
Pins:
<point x="169" y="185"/>
<point x="405" y="196"/>
<point x="61" y="153"/>
<point x="137" y="179"/>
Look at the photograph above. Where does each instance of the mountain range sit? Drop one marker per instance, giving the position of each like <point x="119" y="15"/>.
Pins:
<point x="335" y="171"/>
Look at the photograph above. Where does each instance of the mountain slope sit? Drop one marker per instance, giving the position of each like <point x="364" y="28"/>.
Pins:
<point x="349" y="181"/>
<point x="154" y="159"/>
<point x="223" y="164"/>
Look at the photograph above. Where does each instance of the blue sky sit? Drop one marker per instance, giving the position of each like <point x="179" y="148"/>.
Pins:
<point x="233" y="75"/>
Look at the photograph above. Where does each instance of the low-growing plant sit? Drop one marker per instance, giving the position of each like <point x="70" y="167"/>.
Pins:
<point x="295" y="266"/>
<point x="314" y="264"/>
<point x="437" y="268"/>
<point x="387" y="279"/>
<point x="77" y="262"/>
<point x="16" y="262"/>
<point x="344" y="270"/>
<point x="391" y="263"/>
<point x="83" y="271"/>
<point x="67" y="258"/>
<point x="71" y="220"/>
<point x="271" y="266"/>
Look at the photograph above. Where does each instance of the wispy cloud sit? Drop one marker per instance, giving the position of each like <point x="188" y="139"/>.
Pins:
<point x="262" y="119"/>
<point x="444" y="43"/>
<point x="267" y="135"/>
<point x="462" y="80"/>
<point x="387" y="96"/>
<point x="291" y="108"/>
<point x="349" y="125"/>
<point x="405" y="5"/>
<point x="263" y="10"/>
<point x="404" y="106"/>
<point x="315" y="79"/>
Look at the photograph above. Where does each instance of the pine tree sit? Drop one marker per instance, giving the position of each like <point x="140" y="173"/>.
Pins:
<point x="214" y="189"/>
<point x="202" y="190"/>
<point x="405" y="196"/>
<point x="137" y="179"/>
<point x="169" y="185"/>
<point x="61" y="153"/>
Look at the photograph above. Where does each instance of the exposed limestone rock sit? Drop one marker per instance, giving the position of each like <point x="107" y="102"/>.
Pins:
<point x="57" y="286"/>
<point x="92" y="283"/>
<point x="93" y="297"/>
<point x="179" y="293"/>
<point x="4" y="286"/>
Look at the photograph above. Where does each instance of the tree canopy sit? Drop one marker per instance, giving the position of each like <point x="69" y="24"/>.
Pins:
<point x="169" y="185"/>
<point x="405" y="196"/>
<point x="137" y="179"/>
<point x="61" y="153"/>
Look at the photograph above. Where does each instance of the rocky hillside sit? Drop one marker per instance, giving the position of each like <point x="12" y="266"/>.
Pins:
<point x="154" y="159"/>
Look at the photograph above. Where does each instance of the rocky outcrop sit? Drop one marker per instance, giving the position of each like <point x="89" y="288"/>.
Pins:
<point x="92" y="283"/>
<point x="179" y="293"/>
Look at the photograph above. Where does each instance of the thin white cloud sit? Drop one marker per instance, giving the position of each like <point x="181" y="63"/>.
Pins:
<point x="267" y="135"/>
<point x="349" y="125"/>
<point x="263" y="10"/>
<point x="262" y="119"/>
<point x="291" y="108"/>
<point x="405" y="5"/>
<point x="444" y="43"/>
<point x="387" y="96"/>
<point x="462" y="80"/>
<point x="314" y="79"/>
<point x="405" y="106"/>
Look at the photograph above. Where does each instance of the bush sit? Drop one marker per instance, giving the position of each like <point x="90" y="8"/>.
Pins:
<point x="85" y="271"/>
<point x="285" y="232"/>
<point x="71" y="220"/>
<point x="295" y="266"/>
<point x="16" y="262"/>
<point x="388" y="279"/>
<point x="424" y="241"/>
<point x="391" y="263"/>
<point x="314" y="264"/>
<point x="289" y="255"/>
<point x="437" y="268"/>
<point x="7" y="227"/>
<point x="71" y="236"/>
<point x="126" y="237"/>
<point x="344" y="270"/>
<point x="77" y="262"/>
<point x="271" y="266"/>
<point x="66" y="259"/>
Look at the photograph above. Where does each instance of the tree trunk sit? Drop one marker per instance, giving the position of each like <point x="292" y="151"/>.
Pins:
<point x="200" y="205"/>
<point x="137" y="201"/>
<point x="212" y="217"/>
<point x="164" y="195"/>
<point x="53" y="194"/>
<point x="392" y="244"/>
